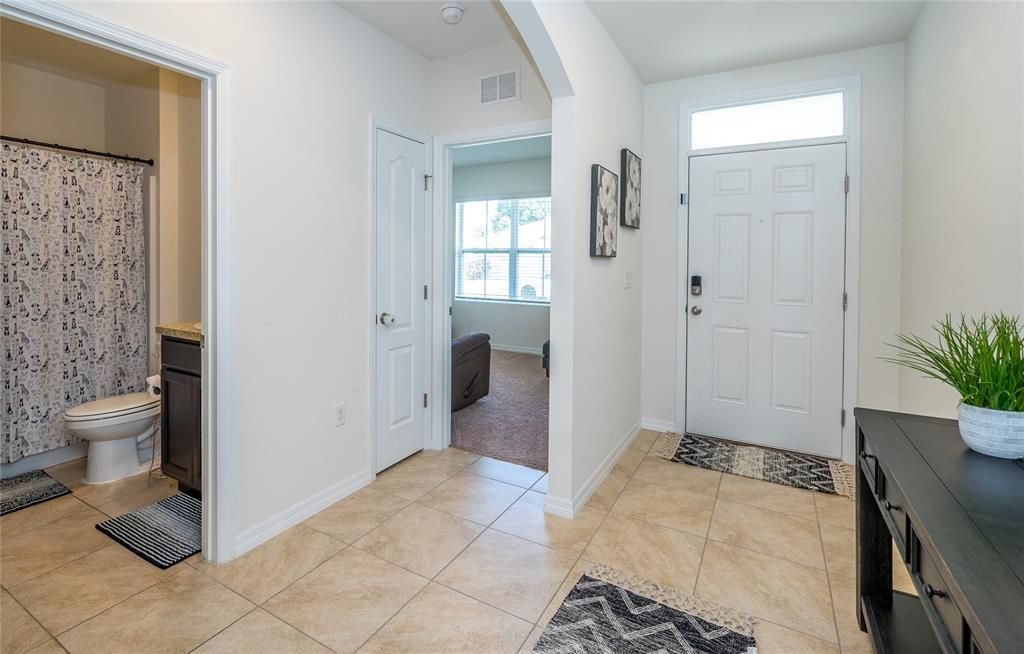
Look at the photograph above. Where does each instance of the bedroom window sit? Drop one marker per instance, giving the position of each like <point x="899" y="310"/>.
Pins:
<point x="503" y="250"/>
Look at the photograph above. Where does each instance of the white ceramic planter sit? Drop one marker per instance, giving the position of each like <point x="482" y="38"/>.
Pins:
<point x="992" y="432"/>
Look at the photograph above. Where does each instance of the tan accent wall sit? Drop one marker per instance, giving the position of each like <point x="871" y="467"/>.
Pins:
<point x="42" y="106"/>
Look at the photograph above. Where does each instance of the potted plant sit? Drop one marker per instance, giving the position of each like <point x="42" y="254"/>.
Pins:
<point x="983" y="360"/>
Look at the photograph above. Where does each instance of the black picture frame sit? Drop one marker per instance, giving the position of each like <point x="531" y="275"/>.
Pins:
<point x="629" y="189"/>
<point x="604" y="207"/>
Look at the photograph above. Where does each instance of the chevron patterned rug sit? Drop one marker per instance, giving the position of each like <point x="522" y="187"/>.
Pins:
<point x="612" y="611"/>
<point x="776" y="466"/>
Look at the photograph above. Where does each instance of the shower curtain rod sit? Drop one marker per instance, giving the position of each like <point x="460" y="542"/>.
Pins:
<point x="57" y="146"/>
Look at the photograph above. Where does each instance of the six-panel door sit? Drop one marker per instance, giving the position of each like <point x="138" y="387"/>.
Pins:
<point x="765" y="351"/>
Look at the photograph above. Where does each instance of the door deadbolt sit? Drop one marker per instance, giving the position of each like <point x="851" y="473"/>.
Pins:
<point x="695" y="285"/>
<point x="695" y="310"/>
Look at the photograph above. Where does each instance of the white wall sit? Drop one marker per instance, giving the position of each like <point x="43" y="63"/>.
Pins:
<point x="304" y="81"/>
<point x="881" y="72"/>
<point x="963" y="220"/>
<point x="598" y="109"/>
<point x="513" y="326"/>
<point x="454" y="88"/>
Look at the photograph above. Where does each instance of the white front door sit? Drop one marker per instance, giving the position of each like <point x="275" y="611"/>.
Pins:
<point x="764" y="355"/>
<point x="401" y="320"/>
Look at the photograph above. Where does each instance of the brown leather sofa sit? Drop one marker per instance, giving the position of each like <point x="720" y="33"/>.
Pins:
<point x="471" y="369"/>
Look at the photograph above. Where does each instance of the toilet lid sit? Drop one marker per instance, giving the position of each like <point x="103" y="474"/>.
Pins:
<point x="112" y="406"/>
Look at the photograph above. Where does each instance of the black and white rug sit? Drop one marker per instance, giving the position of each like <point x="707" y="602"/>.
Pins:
<point x="605" y="614"/>
<point x="776" y="466"/>
<point x="163" y="533"/>
<point x="28" y="489"/>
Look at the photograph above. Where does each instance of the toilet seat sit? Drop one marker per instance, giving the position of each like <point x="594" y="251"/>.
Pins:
<point x="119" y="406"/>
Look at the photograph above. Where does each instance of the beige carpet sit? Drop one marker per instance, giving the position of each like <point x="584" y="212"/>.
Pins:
<point x="511" y="423"/>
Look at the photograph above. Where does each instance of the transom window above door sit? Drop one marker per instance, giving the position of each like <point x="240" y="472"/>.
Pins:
<point x="503" y="249"/>
<point x="775" y="121"/>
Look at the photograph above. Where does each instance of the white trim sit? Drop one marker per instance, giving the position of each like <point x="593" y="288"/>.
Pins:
<point x="518" y="349"/>
<point x="851" y="88"/>
<point x="442" y="270"/>
<point x="300" y="511"/>
<point x="217" y="433"/>
<point x="419" y="137"/>
<point x="776" y="145"/>
<point x="656" y="424"/>
<point x="570" y="509"/>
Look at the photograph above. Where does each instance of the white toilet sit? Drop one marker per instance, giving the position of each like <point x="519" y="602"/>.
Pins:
<point x="114" y="426"/>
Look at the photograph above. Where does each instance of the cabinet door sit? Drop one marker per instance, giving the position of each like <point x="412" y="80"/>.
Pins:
<point x="178" y="424"/>
<point x="197" y="433"/>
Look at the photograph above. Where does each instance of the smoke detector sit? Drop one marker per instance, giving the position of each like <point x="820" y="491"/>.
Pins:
<point x="451" y="13"/>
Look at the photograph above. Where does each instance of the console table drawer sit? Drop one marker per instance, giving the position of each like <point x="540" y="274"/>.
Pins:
<point x="869" y="462"/>
<point x="893" y="505"/>
<point x="935" y="594"/>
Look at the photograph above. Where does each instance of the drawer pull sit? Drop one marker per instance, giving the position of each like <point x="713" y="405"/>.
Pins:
<point x="933" y="592"/>
<point x="889" y="506"/>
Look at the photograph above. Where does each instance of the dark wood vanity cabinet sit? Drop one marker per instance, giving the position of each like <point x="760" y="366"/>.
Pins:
<point x="957" y="520"/>
<point x="181" y="412"/>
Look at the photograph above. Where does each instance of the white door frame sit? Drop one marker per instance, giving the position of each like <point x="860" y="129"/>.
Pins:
<point x="850" y="86"/>
<point x="442" y="272"/>
<point x="217" y="435"/>
<point x="378" y="123"/>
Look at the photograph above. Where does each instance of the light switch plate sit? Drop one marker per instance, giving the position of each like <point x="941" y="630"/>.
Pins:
<point x="628" y="281"/>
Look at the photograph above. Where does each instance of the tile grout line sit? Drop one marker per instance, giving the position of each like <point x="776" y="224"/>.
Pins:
<point x="828" y="578"/>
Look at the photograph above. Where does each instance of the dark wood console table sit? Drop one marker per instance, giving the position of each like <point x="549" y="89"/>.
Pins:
<point x="957" y="518"/>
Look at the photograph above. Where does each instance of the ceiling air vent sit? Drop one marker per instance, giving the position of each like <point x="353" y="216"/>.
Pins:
<point x="499" y="87"/>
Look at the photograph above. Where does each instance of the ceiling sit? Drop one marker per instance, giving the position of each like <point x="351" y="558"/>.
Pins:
<point x="672" y="40"/>
<point x="418" y="24"/>
<point x="537" y="147"/>
<point x="36" y="48"/>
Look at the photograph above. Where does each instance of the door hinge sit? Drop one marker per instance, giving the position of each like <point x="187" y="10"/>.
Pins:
<point x="842" y="418"/>
<point x="449" y="311"/>
<point x="424" y="400"/>
<point x="682" y="198"/>
<point x="424" y="291"/>
<point x="426" y="182"/>
<point x="846" y="184"/>
<point x="846" y="300"/>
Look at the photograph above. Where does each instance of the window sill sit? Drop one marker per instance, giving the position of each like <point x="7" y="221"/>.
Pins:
<point x="484" y="300"/>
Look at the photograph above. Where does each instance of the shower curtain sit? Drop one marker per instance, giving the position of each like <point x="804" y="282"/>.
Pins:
<point x="73" y="264"/>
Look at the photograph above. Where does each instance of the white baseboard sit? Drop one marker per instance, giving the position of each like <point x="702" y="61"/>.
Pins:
<point x="567" y="508"/>
<point x="517" y="348"/>
<point x="299" y="511"/>
<point x="655" y="424"/>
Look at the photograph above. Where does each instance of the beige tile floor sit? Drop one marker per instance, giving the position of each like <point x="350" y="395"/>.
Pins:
<point x="445" y="552"/>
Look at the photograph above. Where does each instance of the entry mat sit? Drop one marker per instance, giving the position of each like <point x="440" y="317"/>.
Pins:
<point x="163" y="533"/>
<point x="776" y="466"/>
<point x="28" y="489"/>
<point x="609" y="610"/>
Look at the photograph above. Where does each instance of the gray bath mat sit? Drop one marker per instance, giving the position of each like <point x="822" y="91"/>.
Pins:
<point x="164" y="533"/>
<point x="776" y="466"/>
<point x="612" y="611"/>
<point x="28" y="489"/>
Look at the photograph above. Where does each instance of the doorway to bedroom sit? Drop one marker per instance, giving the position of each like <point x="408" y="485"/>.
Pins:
<point x="500" y="257"/>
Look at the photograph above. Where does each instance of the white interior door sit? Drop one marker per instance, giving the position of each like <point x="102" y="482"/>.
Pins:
<point x="764" y="357"/>
<point x="401" y="323"/>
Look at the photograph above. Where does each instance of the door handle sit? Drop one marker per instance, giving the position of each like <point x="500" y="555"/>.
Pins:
<point x="387" y="319"/>
<point x="695" y="310"/>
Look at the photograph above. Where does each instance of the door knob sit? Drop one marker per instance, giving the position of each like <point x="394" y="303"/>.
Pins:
<point x="387" y="319"/>
<point x="695" y="310"/>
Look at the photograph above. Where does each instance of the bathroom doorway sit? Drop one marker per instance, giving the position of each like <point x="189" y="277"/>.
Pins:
<point x="201" y="81"/>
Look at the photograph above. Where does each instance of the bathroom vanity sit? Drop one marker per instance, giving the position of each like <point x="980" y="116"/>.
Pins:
<point x="181" y="404"/>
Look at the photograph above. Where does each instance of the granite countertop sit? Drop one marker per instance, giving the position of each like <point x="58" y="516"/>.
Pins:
<point x="189" y="331"/>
